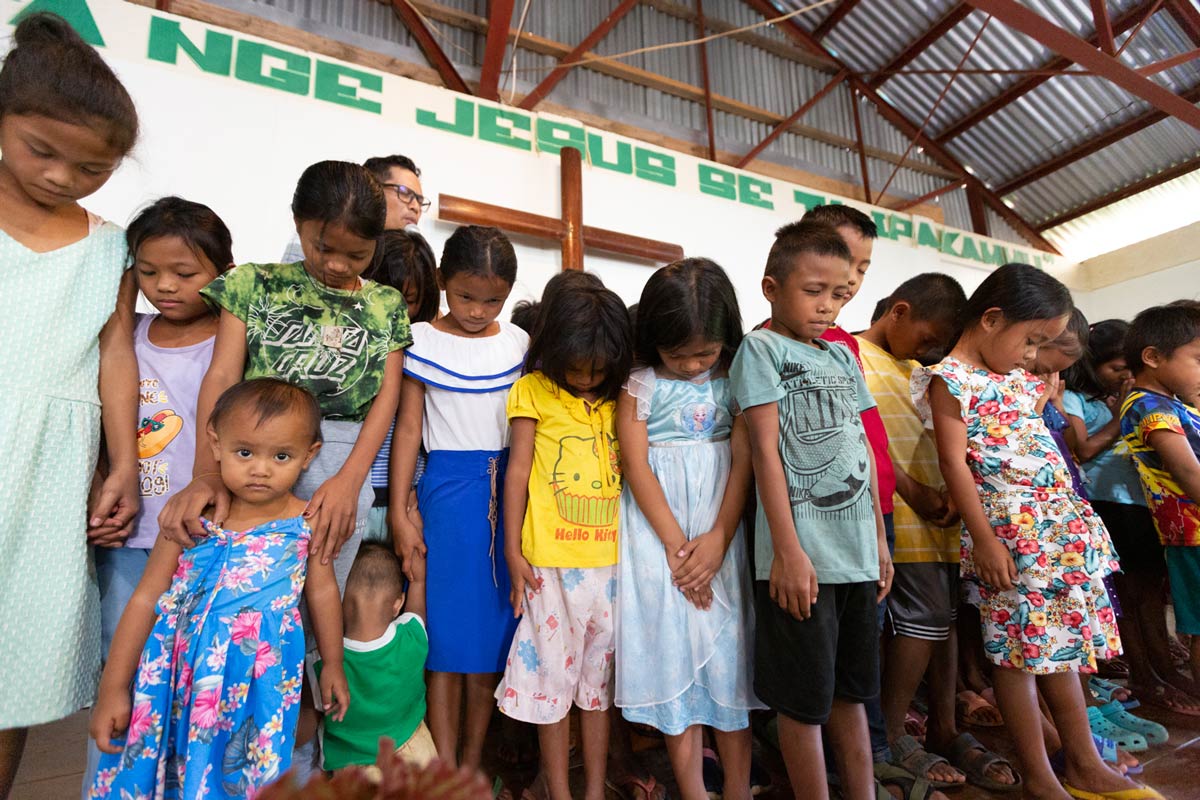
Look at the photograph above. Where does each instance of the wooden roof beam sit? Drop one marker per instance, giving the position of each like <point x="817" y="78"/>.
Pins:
<point x="433" y="51"/>
<point x="499" y="21"/>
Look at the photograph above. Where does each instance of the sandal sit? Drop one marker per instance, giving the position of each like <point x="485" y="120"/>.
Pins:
<point x="1140" y="793"/>
<point x="914" y="724"/>
<point x="1154" y="733"/>
<point x="1164" y="695"/>
<point x="974" y="760"/>
<point x="911" y="787"/>
<point x="1125" y="739"/>
<point x="973" y="709"/>
<point x="629" y="786"/>
<point x="909" y="755"/>
<point x="1113" y="668"/>
<point x="1106" y="691"/>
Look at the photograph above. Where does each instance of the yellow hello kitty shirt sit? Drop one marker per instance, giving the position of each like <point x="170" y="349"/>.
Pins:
<point x="575" y="482"/>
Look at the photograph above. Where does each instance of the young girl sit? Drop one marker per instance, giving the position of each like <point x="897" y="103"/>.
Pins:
<point x="211" y="640"/>
<point x="1095" y="390"/>
<point x="177" y="248"/>
<point x="562" y="493"/>
<point x="1029" y="543"/>
<point x="684" y="626"/>
<point x="406" y="263"/>
<point x="66" y="309"/>
<point x="459" y="370"/>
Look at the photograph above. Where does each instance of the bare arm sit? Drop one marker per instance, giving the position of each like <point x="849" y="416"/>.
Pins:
<point x="886" y="569"/>
<point x="325" y="609"/>
<point x="1088" y="447"/>
<point x="406" y="443"/>
<point x="793" y="579"/>
<point x="117" y="502"/>
<point x="636" y="472"/>
<point x="414" y="601"/>
<point x="1179" y="460"/>
<point x="516" y="497"/>
<point x="110" y="716"/>
<point x="993" y="562"/>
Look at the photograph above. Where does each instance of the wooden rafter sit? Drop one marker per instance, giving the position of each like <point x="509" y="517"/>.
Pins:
<point x="1187" y="17"/>
<point x="591" y="40"/>
<point x="919" y="45"/>
<point x="499" y="20"/>
<point x="837" y="15"/>
<point x="1129" y="190"/>
<point x="979" y="222"/>
<point x="928" y="197"/>
<point x="1104" y="31"/>
<point x="787" y="123"/>
<point x="704" y="76"/>
<point x="862" y="147"/>
<point x="433" y="51"/>
<point x="1019" y="89"/>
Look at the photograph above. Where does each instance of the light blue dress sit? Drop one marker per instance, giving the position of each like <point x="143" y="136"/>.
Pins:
<point x="678" y="666"/>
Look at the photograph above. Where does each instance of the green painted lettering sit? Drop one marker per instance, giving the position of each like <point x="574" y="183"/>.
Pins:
<point x="970" y="249"/>
<point x="655" y="167"/>
<point x="595" y="153"/>
<point x="553" y="136"/>
<point x="880" y="220"/>
<point x="808" y="199"/>
<point x="993" y="253"/>
<point x="927" y="236"/>
<point x="75" y="12"/>
<point x="167" y="39"/>
<point x="751" y="191"/>
<point x="328" y="85"/>
<point x="717" y="182"/>
<point x="500" y="125"/>
<point x="463" y="123"/>
<point x="292" y="77"/>
<point x="948" y="238"/>
<point x="899" y="227"/>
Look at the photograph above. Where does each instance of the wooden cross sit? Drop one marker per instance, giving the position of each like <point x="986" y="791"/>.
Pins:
<point x="569" y="230"/>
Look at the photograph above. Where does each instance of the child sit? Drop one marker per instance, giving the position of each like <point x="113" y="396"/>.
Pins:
<point x="684" y="588"/>
<point x="819" y="530"/>
<point x="1029" y="544"/>
<point x="922" y="316"/>
<point x="455" y="384"/>
<point x="1162" y="349"/>
<point x="384" y="662"/>
<point x="406" y="263"/>
<point x="67" y="303"/>
<point x="177" y="247"/>
<point x="216" y="689"/>
<point x="562" y="493"/>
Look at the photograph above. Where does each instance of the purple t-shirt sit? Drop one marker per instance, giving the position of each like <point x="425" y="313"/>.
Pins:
<point x="168" y="386"/>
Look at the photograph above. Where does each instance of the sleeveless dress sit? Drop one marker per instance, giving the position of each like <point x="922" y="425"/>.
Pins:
<point x="465" y="432"/>
<point x="1057" y="618"/>
<point x="52" y="307"/>
<point x="678" y="666"/>
<point x="217" y="691"/>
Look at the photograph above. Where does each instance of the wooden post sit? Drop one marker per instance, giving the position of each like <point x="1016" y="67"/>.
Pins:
<point x="572" y="209"/>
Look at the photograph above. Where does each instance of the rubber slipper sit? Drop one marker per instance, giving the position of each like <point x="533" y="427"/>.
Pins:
<point x="974" y="710"/>
<point x="1125" y="739"/>
<point x="1140" y="793"/>
<point x="1168" y="697"/>
<point x="1105" y="689"/>
<point x="1154" y="733"/>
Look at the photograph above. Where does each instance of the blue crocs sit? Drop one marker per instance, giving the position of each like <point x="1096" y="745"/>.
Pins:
<point x="1116" y="713"/>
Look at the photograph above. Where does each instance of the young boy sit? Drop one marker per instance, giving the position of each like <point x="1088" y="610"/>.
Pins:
<point x="919" y="318"/>
<point x="821" y="558"/>
<point x="1162" y="349"/>
<point x="384" y="661"/>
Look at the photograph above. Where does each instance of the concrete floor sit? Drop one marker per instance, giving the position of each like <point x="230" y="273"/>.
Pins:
<point x="54" y="761"/>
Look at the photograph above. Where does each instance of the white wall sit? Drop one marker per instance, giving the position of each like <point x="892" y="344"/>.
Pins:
<point x="1123" y="300"/>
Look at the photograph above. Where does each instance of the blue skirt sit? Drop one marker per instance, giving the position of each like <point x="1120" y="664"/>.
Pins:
<point x="469" y="618"/>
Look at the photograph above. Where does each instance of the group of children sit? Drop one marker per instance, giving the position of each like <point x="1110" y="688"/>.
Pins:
<point x="568" y="519"/>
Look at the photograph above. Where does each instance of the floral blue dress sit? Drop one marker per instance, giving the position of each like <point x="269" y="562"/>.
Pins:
<point x="1057" y="618"/>
<point x="217" y="692"/>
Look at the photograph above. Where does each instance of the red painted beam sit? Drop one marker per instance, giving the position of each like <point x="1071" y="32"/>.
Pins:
<point x="837" y="15"/>
<point x="1187" y="17"/>
<point x="951" y="18"/>
<point x="591" y="40"/>
<point x="1085" y="149"/>
<point x="1169" y="63"/>
<point x="1169" y="174"/>
<point x="499" y="19"/>
<point x="929" y="196"/>
<point x="862" y="148"/>
<point x="429" y="46"/>
<point x="804" y="108"/>
<point x="708" y="108"/>
<point x="1067" y="45"/>
<point x="1021" y="88"/>
<point x="979" y="222"/>
<point x="1104" y="31"/>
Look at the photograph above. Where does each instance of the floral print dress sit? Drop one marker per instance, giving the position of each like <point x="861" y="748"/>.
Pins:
<point x="1057" y="618"/>
<point x="217" y="691"/>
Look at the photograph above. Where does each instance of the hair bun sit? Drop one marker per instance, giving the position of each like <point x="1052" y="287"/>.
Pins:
<point x="45" y="29"/>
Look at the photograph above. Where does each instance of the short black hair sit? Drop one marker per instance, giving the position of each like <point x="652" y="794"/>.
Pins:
<point x="195" y="224"/>
<point x="524" y="314"/>
<point x="380" y="166"/>
<point x="479" y="250"/>
<point x="685" y="299"/>
<point x="581" y="322"/>
<point x="405" y="257"/>
<point x="1105" y="342"/>
<point x="52" y="72"/>
<point x="267" y="398"/>
<point x="344" y="193"/>
<point x="376" y="568"/>
<point x="798" y="238"/>
<point x="559" y="282"/>
<point x="932" y="296"/>
<point x="1022" y="292"/>
<point x="1165" y="328"/>
<point x="837" y="216"/>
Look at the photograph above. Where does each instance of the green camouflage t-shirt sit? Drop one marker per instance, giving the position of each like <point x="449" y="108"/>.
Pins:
<point x="332" y="342"/>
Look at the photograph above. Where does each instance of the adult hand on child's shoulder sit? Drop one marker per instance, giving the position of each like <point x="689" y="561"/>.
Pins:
<point x="179" y="520"/>
<point x="793" y="584"/>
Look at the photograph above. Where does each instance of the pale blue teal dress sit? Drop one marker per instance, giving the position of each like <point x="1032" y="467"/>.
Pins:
<point x="678" y="666"/>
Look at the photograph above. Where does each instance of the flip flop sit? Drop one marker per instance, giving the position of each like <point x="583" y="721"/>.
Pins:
<point x="1154" y="733"/>
<point x="968" y="755"/>
<point x="1140" y="793"/>
<point x="1166" y="696"/>
<point x="974" y="710"/>
<point x="1125" y="739"/>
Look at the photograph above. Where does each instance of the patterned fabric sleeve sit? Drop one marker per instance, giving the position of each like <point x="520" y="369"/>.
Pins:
<point x="234" y="290"/>
<point x="922" y="377"/>
<point x="401" y="329"/>
<point x="1156" y="413"/>
<point x="521" y="401"/>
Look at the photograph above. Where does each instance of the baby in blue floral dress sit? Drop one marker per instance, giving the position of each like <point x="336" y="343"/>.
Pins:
<point x="212" y="642"/>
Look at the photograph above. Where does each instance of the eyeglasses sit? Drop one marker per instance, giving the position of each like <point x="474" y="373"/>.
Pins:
<point x="407" y="195"/>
